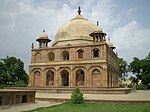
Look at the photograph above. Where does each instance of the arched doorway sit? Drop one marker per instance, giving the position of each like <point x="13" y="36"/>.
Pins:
<point x="80" y="77"/>
<point x="51" y="56"/>
<point x="80" y="54"/>
<point x="37" y="79"/>
<point x="65" y="55"/>
<point x="64" y="78"/>
<point x="95" y="53"/>
<point x="50" y="78"/>
<point x="96" y="78"/>
<point x="37" y="57"/>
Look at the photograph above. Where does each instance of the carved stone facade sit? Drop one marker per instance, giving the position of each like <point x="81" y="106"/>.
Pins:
<point x="79" y="57"/>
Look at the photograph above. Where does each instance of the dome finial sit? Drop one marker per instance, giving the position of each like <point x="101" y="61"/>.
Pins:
<point x="32" y="46"/>
<point x="79" y="11"/>
<point x="97" y="23"/>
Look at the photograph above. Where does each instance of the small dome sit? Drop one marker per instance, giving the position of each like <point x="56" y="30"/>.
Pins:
<point x="43" y="35"/>
<point x="76" y="31"/>
<point x="110" y="44"/>
<point x="97" y="32"/>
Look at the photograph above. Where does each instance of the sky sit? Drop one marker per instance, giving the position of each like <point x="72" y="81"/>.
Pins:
<point x="126" y="23"/>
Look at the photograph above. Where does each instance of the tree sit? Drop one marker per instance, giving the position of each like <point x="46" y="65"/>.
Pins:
<point x="141" y="68"/>
<point x="145" y="66"/>
<point x="135" y="68"/>
<point x="77" y="96"/>
<point x="123" y="70"/>
<point x="12" y="70"/>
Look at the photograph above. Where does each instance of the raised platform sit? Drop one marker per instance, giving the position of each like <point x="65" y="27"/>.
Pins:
<point x="140" y="96"/>
<point x="94" y="100"/>
<point x="85" y="90"/>
<point x="15" y="96"/>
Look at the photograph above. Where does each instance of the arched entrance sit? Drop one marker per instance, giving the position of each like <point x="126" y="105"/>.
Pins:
<point x="37" y="79"/>
<point x="80" y="77"/>
<point x="51" y="56"/>
<point x="64" y="78"/>
<point x="50" y="78"/>
<point x="65" y="55"/>
<point x="96" y="78"/>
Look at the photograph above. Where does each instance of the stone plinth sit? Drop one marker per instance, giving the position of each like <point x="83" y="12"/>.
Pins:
<point x="14" y="96"/>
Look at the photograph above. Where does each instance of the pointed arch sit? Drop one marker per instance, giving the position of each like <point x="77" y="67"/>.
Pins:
<point x="37" y="78"/>
<point x="50" y="78"/>
<point x="64" y="78"/>
<point x="80" y="53"/>
<point x="95" y="52"/>
<point x="51" y="56"/>
<point x="65" y="55"/>
<point x="96" y="78"/>
<point x="38" y="57"/>
<point x="80" y="77"/>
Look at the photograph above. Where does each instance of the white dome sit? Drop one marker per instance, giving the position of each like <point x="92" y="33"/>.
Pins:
<point x="76" y="31"/>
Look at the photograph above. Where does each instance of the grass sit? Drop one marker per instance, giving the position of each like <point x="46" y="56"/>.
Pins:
<point x="95" y="107"/>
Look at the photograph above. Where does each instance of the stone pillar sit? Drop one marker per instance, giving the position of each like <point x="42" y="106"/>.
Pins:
<point x="110" y="77"/>
<point x="44" y="74"/>
<point x="113" y="78"/>
<point x="30" y="79"/>
<point x="105" y="52"/>
<point x="57" y="78"/>
<point x="88" y="78"/>
<point x="74" y="78"/>
<point x="104" y="76"/>
<point x="71" y="78"/>
<point x="42" y="77"/>
<point x="32" y="56"/>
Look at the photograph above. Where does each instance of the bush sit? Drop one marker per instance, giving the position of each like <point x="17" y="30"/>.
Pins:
<point x="139" y="87"/>
<point x="77" y="96"/>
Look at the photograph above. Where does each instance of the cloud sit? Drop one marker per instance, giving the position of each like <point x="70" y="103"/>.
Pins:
<point x="22" y="21"/>
<point x="106" y="14"/>
<point x="132" y="41"/>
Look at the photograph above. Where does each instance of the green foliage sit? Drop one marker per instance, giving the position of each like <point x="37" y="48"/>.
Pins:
<point x="139" y="87"/>
<point x="20" y="83"/>
<point x="145" y="65"/>
<point x="135" y="67"/>
<point x="141" y="68"/>
<point x="123" y="70"/>
<point x="11" y="71"/>
<point x="77" y="96"/>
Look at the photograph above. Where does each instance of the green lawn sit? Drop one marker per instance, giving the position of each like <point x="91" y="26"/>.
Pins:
<point x="95" y="107"/>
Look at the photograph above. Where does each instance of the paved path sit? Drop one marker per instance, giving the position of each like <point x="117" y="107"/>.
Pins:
<point x="140" y="95"/>
<point x="26" y="107"/>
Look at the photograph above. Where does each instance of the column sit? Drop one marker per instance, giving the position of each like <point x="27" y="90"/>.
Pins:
<point x="88" y="78"/>
<point x="104" y="75"/>
<point x="71" y="78"/>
